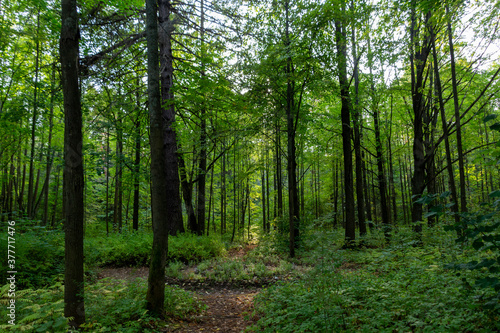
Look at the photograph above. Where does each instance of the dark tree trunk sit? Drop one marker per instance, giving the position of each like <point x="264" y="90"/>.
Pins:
<point x="418" y="59"/>
<point x="357" y="139"/>
<point x="350" y="221"/>
<point x="137" y="171"/>
<point x="168" y="110"/>
<point x="202" y="166"/>
<point x="279" y="181"/>
<point x="454" y="84"/>
<point x="73" y="182"/>
<point x="155" y="296"/>
<point x="187" y="194"/>
<point x="50" y="154"/>
<point x="118" y="200"/>
<point x="293" y="205"/>
<point x="31" y="191"/>
<point x="449" y="162"/>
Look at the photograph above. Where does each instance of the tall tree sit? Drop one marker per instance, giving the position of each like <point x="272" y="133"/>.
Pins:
<point x="155" y="297"/>
<point x="341" y="43"/>
<point x="419" y="52"/>
<point x="167" y="98"/>
<point x="73" y="166"/>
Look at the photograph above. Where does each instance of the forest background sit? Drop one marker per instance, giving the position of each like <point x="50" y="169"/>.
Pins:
<point x="282" y="119"/>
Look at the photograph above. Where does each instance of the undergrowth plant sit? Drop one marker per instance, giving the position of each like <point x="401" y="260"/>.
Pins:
<point x="391" y="288"/>
<point x="111" y="306"/>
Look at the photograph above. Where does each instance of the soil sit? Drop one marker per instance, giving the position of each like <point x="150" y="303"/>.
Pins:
<point x="229" y="304"/>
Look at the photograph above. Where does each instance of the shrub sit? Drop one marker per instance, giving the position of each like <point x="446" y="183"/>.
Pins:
<point x="39" y="258"/>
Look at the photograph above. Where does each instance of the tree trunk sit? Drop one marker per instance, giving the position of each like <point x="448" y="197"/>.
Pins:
<point x="357" y="138"/>
<point x="137" y="171"/>
<point x="454" y="84"/>
<point x="155" y="296"/>
<point x="202" y="167"/>
<point x="73" y="182"/>
<point x="293" y="205"/>
<point x="31" y="192"/>
<point x="118" y="200"/>
<point x="187" y="194"/>
<point x="449" y="162"/>
<point x="350" y="221"/>
<point x="50" y="154"/>
<point x="418" y="59"/>
<point x="168" y="111"/>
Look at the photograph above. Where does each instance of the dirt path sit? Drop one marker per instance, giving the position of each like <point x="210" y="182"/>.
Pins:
<point x="228" y="310"/>
<point x="229" y="306"/>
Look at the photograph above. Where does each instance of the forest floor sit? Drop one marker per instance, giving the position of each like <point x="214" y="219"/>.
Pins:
<point x="229" y="305"/>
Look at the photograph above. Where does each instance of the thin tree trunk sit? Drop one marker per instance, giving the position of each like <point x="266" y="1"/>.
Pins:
<point x="357" y="137"/>
<point x="454" y="84"/>
<point x="293" y="207"/>
<point x="210" y="202"/>
<point x="31" y="192"/>
<point x="137" y="171"/>
<point x="187" y="194"/>
<point x="50" y="154"/>
<point x="118" y="200"/>
<point x="449" y="163"/>
<point x="202" y="167"/>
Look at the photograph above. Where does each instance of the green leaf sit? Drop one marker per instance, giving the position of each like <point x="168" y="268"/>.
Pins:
<point x="489" y="117"/>
<point x="494" y="194"/>
<point x="477" y="244"/>
<point x="495" y="127"/>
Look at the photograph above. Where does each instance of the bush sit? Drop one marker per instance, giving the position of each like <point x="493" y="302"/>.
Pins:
<point x="39" y="258"/>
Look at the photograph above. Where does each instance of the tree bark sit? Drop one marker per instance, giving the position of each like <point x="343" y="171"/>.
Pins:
<point x="293" y="205"/>
<point x="159" y="193"/>
<point x="73" y="182"/>
<point x="418" y="59"/>
<point x="350" y="219"/>
<point x="458" y="127"/>
<point x="357" y="138"/>
<point x="173" y="198"/>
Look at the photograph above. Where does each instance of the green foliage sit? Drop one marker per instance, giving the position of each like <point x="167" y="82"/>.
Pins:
<point x="39" y="257"/>
<point x="397" y="288"/>
<point x="118" y="306"/>
<point x="191" y="248"/>
<point x="119" y="249"/>
<point x="481" y="231"/>
<point x="134" y="249"/>
<point x="111" y="306"/>
<point x="37" y="310"/>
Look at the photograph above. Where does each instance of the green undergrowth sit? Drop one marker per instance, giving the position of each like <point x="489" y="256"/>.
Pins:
<point x="380" y="288"/>
<point x="133" y="249"/>
<point x="39" y="253"/>
<point x="111" y="306"/>
<point x="264" y="263"/>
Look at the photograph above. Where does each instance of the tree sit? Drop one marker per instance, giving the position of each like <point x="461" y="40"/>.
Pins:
<point x="173" y="197"/>
<point x="73" y="166"/>
<point x="341" y="43"/>
<point x="155" y="297"/>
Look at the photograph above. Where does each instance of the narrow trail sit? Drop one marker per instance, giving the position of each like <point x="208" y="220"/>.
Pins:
<point x="228" y="310"/>
<point x="228" y="307"/>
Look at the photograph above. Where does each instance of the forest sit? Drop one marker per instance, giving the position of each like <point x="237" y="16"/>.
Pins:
<point x="250" y="166"/>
